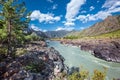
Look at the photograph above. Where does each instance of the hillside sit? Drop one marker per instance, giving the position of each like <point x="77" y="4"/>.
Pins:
<point x="110" y="24"/>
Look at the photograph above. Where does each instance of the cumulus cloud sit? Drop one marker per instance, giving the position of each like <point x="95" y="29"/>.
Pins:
<point x="92" y="8"/>
<point x="72" y="10"/>
<point x="65" y="28"/>
<point x="110" y="6"/>
<point x="69" y="23"/>
<point x="47" y="18"/>
<point x="90" y="17"/>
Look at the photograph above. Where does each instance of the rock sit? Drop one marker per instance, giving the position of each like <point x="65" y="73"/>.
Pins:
<point x="45" y="63"/>
<point x="107" y="52"/>
<point x="105" y="49"/>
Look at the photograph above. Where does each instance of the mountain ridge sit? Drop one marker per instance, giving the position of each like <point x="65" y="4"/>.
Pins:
<point x="56" y="34"/>
<point x="111" y="23"/>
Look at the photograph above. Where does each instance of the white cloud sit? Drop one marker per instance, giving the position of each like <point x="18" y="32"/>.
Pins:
<point x="65" y="28"/>
<point x="83" y="18"/>
<point x="92" y="8"/>
<point x="36" y="28"/>
<point x="47" y="18"/>
<point x="72" y="10"/>
<point x="110" y="6"/>
<point x="54" y="6"/>
<point x="69" y="23"/>
<point x="51" y="1"/>
<point x="101" y="15"/>
<point x="83" y="11"/>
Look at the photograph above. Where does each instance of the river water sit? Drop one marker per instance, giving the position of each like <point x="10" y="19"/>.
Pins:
<point x="78" y="58"/>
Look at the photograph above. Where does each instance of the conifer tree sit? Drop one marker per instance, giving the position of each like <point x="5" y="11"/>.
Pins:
<point x="15" y="18"/>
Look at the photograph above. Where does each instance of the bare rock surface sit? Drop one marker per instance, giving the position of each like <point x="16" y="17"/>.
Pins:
<point x="47" y="62"/>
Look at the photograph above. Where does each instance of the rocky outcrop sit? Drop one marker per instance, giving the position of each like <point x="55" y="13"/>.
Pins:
<point x="39" y="63"/>
<point x="108" y="50"/>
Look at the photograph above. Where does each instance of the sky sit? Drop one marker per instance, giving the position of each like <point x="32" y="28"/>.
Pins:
<point x="54" y="15"/>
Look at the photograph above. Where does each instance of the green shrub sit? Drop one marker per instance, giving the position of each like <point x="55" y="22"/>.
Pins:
<point x="79" y="75"/>
<point x="98" y="75"/>
<point x="35" y="67"/>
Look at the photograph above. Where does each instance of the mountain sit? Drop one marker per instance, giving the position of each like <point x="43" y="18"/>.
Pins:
<point x="57" y="34"/>
<point x="110" y="24"/>
<point x="41" y="34"/>
<point x="48" y="34"/>
<point x="36" y="32"/>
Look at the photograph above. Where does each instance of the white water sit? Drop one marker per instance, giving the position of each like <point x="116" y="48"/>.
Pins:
<point x="78" y="58"/>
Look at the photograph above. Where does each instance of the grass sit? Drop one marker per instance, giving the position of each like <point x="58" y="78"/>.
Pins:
<point x="110" y="35"/>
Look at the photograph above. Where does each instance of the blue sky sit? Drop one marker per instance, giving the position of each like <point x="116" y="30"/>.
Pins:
<point x="69" y="14"/>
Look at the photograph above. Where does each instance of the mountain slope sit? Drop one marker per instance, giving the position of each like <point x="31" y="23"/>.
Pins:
<point x="56" y="34"/>
<point x="110" y="24"/>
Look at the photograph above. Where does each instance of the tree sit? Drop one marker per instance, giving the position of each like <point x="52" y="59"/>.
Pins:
<point x="15" y="18"/>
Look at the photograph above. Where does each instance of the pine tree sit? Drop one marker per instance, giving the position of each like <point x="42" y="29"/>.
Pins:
<point x="15" y="18"/>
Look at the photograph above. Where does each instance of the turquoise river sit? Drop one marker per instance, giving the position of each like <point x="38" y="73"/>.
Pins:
<point x="78" y="58"/>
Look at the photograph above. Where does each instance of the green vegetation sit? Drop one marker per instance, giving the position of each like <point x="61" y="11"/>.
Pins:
<point x="79" y="75"/>
<point x="13" y="20"/>
<point x="70" y="37"/>
<point x="110" y="35"/>
<point x="108" y="28"/>
<point x="114" y="34"/>
<point x="98" y="75"/>
<point x="33" y="37"/>
<point x="84" y="75"/>
<point x="35" y="67"/>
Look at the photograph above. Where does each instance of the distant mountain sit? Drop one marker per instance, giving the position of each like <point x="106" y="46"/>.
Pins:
<point x="39" y="33"/>
<point x="110" y="24"/>
<point x="56" y="34"/>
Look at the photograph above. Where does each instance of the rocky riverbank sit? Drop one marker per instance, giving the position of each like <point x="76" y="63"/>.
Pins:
<point x="106" y="49"/>
<point x="38" y="63"/>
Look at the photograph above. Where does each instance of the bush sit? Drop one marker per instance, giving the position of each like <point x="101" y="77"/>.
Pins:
<point x="35" y="67"/>
<point x="79" y="75"/>
<point x="84" y="75"/>
<point x="98" y="75"/>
